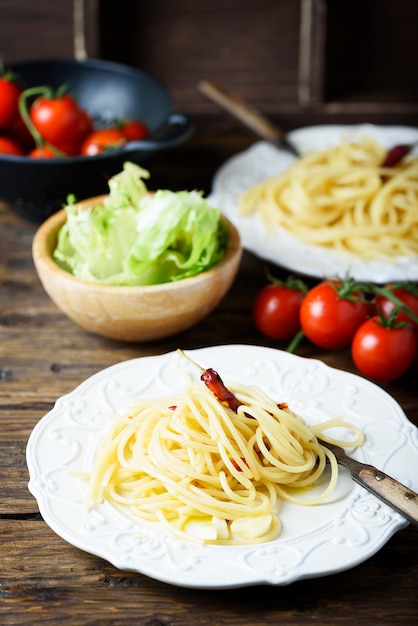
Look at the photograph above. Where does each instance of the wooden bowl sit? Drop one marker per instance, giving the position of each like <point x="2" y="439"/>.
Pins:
<point x="133" y="313"/>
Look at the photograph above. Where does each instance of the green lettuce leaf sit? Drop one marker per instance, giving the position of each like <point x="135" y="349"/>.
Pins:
<point x="138" y="238"/>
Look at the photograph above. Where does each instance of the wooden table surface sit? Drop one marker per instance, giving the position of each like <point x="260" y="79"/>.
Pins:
<point x="43" y="355"/>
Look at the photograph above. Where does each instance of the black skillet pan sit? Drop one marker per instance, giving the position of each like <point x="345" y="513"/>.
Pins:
<point x="109" y="91"/>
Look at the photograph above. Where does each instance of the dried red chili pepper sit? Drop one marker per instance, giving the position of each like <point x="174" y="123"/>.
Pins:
<point x="396" y="154"/>
<point x="235" y="464"/>
<point x="216" y="385"/>
<point x="214" y="382"/>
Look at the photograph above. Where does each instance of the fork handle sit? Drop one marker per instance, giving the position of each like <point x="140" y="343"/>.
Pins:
<point x="246" y="113"/>
<point x="389" y="490"/>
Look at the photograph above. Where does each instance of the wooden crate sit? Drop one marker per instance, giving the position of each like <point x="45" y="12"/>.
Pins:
<point x="299" y="61"/>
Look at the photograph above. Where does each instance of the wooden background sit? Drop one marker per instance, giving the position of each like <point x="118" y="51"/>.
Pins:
<point x="299" y="61"/>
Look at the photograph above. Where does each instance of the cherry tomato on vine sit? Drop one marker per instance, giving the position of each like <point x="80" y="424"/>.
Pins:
<point x="19" y="132"/>
<point x="381" y="352"/>
<point x="276" y="309"/>
<point x="9" y="146"/>
<point x="406" y="293"/>
<point x="58" y="121"/>
<point x="85" y="125"/>
<point x="135" y="130"/>
<point x="100" y="140"/>
<point x="9" y="100"/>
<point x="331" y="312"/>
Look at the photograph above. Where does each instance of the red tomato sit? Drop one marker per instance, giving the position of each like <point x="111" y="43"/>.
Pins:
<point x="276" y="311"/>
<point x="330" y="320"/>
<point x="42" y="152"/>
<point x="101" y="140"/>
<point x="20" y="133"/>
<point x="58" y="122"/>
<point x="8" y="146"/>
<point x="9" y="101"/>
<point x="407" y="294"/>
<point x="383" y="353"/>
<point x="85" y="127"/>
<point x="135" y="130"/>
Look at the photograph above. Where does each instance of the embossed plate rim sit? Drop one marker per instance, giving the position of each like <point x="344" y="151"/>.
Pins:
<point x="332" y="537"/>
<point x="262" y="160"/>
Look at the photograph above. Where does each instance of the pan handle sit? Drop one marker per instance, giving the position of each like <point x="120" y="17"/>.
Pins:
<point x="176" y="129"/>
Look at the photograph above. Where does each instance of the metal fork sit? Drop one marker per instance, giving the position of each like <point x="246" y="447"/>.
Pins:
<point x="386" y="488"/>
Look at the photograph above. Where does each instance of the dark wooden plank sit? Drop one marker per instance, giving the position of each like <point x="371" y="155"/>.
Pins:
<point x="44" y="580"/>
<point x="252" y="46"/>
<point x="35" y="30"/>
<point x="43" y="29"/>
<point x="372" y="48"/>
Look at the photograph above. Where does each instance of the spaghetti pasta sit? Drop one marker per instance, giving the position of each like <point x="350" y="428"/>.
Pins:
<point x="342" y="199"/>
<point x="207" y="473"/>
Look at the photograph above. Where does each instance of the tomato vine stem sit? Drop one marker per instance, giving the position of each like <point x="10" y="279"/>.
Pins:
<point x="46" y="92"/>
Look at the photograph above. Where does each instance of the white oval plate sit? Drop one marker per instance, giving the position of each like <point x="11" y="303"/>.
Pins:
<point x="263" y="160"/>
<point x="315" y="541"/>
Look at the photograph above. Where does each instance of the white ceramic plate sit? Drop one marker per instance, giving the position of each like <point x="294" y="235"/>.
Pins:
<point x="315" y="541"/>
<point x="262" y="161"/>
